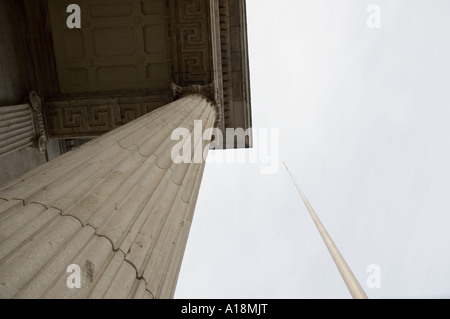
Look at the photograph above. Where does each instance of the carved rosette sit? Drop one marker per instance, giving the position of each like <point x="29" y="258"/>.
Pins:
<point x="36" y="104"/>
<point x="207" y="91"/>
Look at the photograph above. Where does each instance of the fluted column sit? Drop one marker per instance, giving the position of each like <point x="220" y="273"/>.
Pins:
<point x="16" y="127"/>
<point x="118" y="207"/>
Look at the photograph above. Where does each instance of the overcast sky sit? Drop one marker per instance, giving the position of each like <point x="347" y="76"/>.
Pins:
<point x="364" y="125"/>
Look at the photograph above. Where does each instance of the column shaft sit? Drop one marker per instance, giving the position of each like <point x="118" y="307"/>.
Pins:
<point x="118" y="207"/>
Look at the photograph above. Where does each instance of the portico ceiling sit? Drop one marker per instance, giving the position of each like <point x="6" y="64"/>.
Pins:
<point x="119" y="65"/>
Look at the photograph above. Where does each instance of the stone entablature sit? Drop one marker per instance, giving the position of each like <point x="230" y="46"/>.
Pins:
<point x="200" y="42"/>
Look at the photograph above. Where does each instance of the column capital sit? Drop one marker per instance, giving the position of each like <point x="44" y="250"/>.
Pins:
<point x="205" y="90"/>
<point x="208" y="91"/>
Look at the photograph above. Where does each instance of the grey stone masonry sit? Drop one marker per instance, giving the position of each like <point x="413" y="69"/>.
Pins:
<point x="118" y="207"/>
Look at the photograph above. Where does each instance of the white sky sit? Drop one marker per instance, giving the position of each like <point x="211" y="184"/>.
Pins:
<point x="363" y="116"/>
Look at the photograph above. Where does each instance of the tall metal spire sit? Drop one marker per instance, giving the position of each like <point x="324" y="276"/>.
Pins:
<point x="352" y="283"/>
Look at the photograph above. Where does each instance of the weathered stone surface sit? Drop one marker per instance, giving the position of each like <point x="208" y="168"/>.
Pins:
<point x="118" y="206"/>
<point x="120" y="214"/>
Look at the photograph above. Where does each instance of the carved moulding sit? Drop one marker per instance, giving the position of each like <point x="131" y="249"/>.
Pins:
<point x="36" y="104"/>
<point x="207" y="91"/>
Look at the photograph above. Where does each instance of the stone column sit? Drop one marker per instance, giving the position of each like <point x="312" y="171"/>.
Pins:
<point x="118" y="207"/>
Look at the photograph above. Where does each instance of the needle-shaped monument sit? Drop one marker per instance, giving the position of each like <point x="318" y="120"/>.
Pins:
<point x="352" y="283"/>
